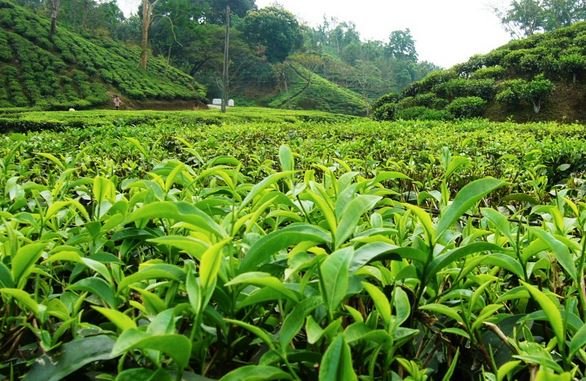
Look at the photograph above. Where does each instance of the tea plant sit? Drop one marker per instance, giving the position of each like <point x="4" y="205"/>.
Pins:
<point x="196" y="271"/>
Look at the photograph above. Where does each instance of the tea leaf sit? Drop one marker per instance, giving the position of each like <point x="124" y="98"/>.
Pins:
<point x="335" y="277"/>
<point x="464" y="200"/>
<point x="336" y="363"/>
<point x="552" y="312"/>
<point x="268" y="245"/>
<point x="256" y="373"/>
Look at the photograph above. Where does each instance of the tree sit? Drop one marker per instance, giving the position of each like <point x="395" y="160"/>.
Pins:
<point x="147" y="14"/>
<point x="526" y="17"/>
<point x="54" y="14"/>
<point x="401" y="46"/>
<point x="275" y="29"/>
<point x="216" y="9"/>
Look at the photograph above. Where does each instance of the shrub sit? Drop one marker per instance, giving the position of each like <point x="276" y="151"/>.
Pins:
<point x="467" y="107"/>
<point x="455" y="88"/>
<point x="423" y="113"/>
<point x="490" y="72"/>
<point x="386" y="111"/>
<point x="387" y="98"/>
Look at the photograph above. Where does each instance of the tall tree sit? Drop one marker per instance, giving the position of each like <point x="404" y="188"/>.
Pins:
<point x="275" y="29"/>
<point x="526" y="17"/>
<point x="401" y="45"/>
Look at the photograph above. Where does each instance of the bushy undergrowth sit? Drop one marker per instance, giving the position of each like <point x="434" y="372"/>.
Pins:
<point x="198" y="251"/>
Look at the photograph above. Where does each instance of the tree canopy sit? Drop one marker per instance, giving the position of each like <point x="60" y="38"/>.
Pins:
<point x="526" y="17"/>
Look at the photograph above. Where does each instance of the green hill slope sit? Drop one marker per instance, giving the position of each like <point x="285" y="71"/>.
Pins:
<point x="71" y="71"/>
<point x="309" y="91"/>
<point x="542" y="77"/>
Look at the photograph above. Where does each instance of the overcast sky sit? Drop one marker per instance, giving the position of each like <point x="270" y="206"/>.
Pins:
<point x="446" y="32"/>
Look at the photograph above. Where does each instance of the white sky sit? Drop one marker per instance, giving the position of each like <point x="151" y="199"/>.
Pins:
<point x="446" y="32"/>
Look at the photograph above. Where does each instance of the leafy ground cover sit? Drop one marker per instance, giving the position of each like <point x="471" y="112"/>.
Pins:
<point x="292" y="249"/>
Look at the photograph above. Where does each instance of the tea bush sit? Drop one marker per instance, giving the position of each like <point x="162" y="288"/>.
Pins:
<point x="204" y="246"/>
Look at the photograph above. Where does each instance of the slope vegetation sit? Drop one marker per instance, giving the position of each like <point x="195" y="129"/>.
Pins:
<point x="68" y="70"/>
<point x="304" y="89"/>
<point x="538" y="78"/>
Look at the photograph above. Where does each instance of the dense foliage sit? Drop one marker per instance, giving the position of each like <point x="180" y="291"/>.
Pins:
<point x="336" y="51"/>
<point x="526" y="17"/>
<point x="198" y="249"/>
<point x="71" y="71"/>
<point x="538" y="78"/>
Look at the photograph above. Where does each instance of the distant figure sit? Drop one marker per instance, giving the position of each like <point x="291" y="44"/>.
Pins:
<point x="117" y="102"/>
<point x="71" y="109"/>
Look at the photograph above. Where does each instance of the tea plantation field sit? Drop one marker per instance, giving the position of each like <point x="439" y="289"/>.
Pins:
<point x="282" y="245"/>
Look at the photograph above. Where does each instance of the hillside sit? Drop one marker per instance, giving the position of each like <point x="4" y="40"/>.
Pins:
<point x="72" y="71"/>
<point x="303" y="89"/>
<point x="538" y="78"/>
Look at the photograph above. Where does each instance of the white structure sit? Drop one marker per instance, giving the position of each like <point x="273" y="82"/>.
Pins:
<point x="217" y="102"/>
<point x="231" y="102"/>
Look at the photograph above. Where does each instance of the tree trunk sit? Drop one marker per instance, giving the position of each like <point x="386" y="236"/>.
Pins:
<point x="536" y="106"/>
<point x="146" y="24"/>
<point x="54" y="14"/>
<point x="225" y="75"/>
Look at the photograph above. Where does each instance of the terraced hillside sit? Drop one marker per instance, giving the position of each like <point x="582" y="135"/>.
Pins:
<point x="542" y="77"/>
<point x="69" y="70"/>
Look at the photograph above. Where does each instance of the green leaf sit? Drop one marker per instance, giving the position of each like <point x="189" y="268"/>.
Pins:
<point x="178" y="347"/>
<point x="351" y="215"/>
<point x="464" y="200"/>
<point x="425" y="220"/>
<point x="444" y="260"/>
<point x="545" y="374"/>
<point x="444" y="310"/>
<point x="552" y="312"/>
<point x="370" y="252"/>
<point x="294" y="321"/>
<point x="157" y="271"/>
<point x="265" y="183"/>
<point x="325" y="207"/>
<point x="122" y="321"/>
<point x="261" y="279"/>
<point x="381" y="302"/>
<point x="448" y="375"/>
<point x="256" y="373"/>
<point x="578" y="341"/>
<point x="5" y="277"/>
<point x="259" y="332"/>
<point x="192" y="246"/>
<point x="194" y="292"/>
<point x="24" y="260"/>
<point x="181" y="212"/>
<point x="499" y="221"/>
<point x="273" y="242"/>
<point x="286" y="158"/>
<point x="143" y="374"/>
<point x="336" y="364"/>
<point x="25" y="299"/>
<point x="98" y="287"/>
<point x="211" y="261"/>
<point x="560" y="251"/>
<point x="335" y="277"/>
<point x="402" y="305"/>
<point x="72" y="356"/>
